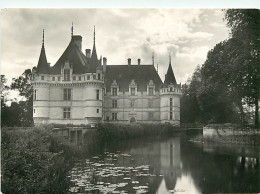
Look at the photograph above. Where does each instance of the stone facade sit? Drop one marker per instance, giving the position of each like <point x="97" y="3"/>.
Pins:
<point x="80" y="89"/>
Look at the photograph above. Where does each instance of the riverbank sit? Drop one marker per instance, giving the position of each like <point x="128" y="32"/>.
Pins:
<point x="34" y="161"/>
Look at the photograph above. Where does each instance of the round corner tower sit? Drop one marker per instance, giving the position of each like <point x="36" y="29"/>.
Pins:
<point x="170" y="94"/>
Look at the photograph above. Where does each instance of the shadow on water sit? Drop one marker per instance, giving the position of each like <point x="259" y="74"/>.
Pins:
<point x="167" y="165"/>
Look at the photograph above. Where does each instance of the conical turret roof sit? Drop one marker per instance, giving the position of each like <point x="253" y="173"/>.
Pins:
<point x="169" y="77"/>
<point x="43" y="66"/>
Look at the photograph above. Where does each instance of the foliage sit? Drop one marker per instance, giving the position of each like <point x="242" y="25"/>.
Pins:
<point x="244" y="26"/>
<point x="28" y="163"/>
<point x="4" y="91"/>
<point x="229" y="78"/>
<point x="113" y="132"/>
<point x="19" y="113"/>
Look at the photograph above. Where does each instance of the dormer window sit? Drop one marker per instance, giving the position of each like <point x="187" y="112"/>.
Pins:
<point x="132" y="91"/>
<point x="114" y="88"/>
<point x="133" y="88"/>
<point x="114" y="91"/>
<point x="98" y="76"/>
<point x="150" y="91"/>
<point x="66" y="74"/>
<point x="150" y="88"/>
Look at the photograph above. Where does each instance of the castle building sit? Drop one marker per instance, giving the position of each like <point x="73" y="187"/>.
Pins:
<point x="82" y="89"/>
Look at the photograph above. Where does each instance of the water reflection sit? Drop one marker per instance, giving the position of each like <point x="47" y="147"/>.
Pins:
<point x="166" y="165"/>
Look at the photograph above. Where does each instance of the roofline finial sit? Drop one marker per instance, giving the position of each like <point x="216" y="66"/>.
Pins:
<point x="94" y="34"/>
<point x="157" y="67"/>
<point x="72" y="30"/>
<point x="170" y="58"/>
<point x="153" y="57"/>
<point x="43" y="37"/>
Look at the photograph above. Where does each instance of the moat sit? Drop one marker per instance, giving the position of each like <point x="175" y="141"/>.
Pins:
<point x="167" y="165"/>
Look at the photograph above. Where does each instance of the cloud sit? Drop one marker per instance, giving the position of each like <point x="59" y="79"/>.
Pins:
<point x="120" y="34"/>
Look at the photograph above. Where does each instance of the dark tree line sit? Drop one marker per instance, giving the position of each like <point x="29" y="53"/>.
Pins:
<point x="229" y="79"/>
<point x="18" y="113"/>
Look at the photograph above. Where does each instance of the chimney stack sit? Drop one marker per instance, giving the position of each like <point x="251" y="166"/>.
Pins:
<point x="139" y="61"/>
<point x="129" y="61"/>
<point x="77" y="39"/>
<point x="104" y="61"/>
<point x="104" y="64"/>
<point x="88" y="52"/>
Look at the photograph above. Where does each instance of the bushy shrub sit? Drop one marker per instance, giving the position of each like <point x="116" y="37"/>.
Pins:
<point x="30" y="164"/>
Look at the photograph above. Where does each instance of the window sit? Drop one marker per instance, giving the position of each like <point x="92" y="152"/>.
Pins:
<point x="170" y="102"/>
<point x="132" y="103"/>
<point x="88" y="77"/>
<point x="170" y="115"/>
<point x="42" y="77"/>
<point x="66" y="75"/>
<point x="170" y="89"/>
<point x="35" y="94"/>
<point x="98" y="76"/>
<point x="79" y="78"/>
<point x="53" y="78"/>
<point x="74" y="78"/>
<point x="58" y="78"/>
<point x="97" y="94"/>
<point x="94" y="76"/>
<point x="97" y="110"/>
<point x="66" y="113"/>
<point x="67" y="94"/>
<point x="132" y="91"/>
<point x="114" y="103"/>
<point x="150" y="91"/>
<point x="150" y="103"/>
<point x="150" y="116"/>
<point x="114" y="91"/>
<point x="114" y="116"/>
<point x="33" y="110"/>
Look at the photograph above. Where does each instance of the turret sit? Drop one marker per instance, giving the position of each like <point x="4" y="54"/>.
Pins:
<point x="170" y="93"/>
<point x="43" y="66"/>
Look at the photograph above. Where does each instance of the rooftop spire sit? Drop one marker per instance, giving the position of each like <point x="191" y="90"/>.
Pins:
<point x="157" y="67"/>
<point x="170" y="59"/>
<point x="42" y="66"/>
<point x="169" y="77"/>
<point x="94" y="59"/>
<point x="72" y="30"/>
<point x="153" y="57"/>
<point x="94" y="35"/>
<point x="43" y="37"/>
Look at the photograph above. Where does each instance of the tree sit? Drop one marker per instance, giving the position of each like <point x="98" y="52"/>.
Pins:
<point x="244" y="26"/>
<point x="4" y="91"/>
<point x="24" y="86"/>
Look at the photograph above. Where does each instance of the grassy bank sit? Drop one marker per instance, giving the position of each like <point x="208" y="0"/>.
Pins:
<point x="34" y="161"/>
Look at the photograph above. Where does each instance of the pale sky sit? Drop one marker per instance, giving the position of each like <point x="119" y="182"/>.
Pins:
<point x="188" y="34"/>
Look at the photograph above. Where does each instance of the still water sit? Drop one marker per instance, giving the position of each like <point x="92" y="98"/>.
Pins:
<point x="168" y="165"/>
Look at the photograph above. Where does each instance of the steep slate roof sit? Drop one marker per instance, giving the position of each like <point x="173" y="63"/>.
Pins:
<point x="43" y="66"/>
<point x="74" y="55"/>
<point x="169" y="77"/>
<point x="124" y="74"/>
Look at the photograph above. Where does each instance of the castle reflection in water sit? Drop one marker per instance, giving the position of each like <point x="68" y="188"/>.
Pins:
<point x="183" y="166"/>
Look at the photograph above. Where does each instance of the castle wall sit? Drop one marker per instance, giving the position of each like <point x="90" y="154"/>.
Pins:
<point x="137" y="107"/>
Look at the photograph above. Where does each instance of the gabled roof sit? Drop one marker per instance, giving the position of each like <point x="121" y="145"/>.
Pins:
<point x="43" y="66"/>
<point x="169" y="77"/>
<point x="124" y="74"/>
<point x="76" y="58"/>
